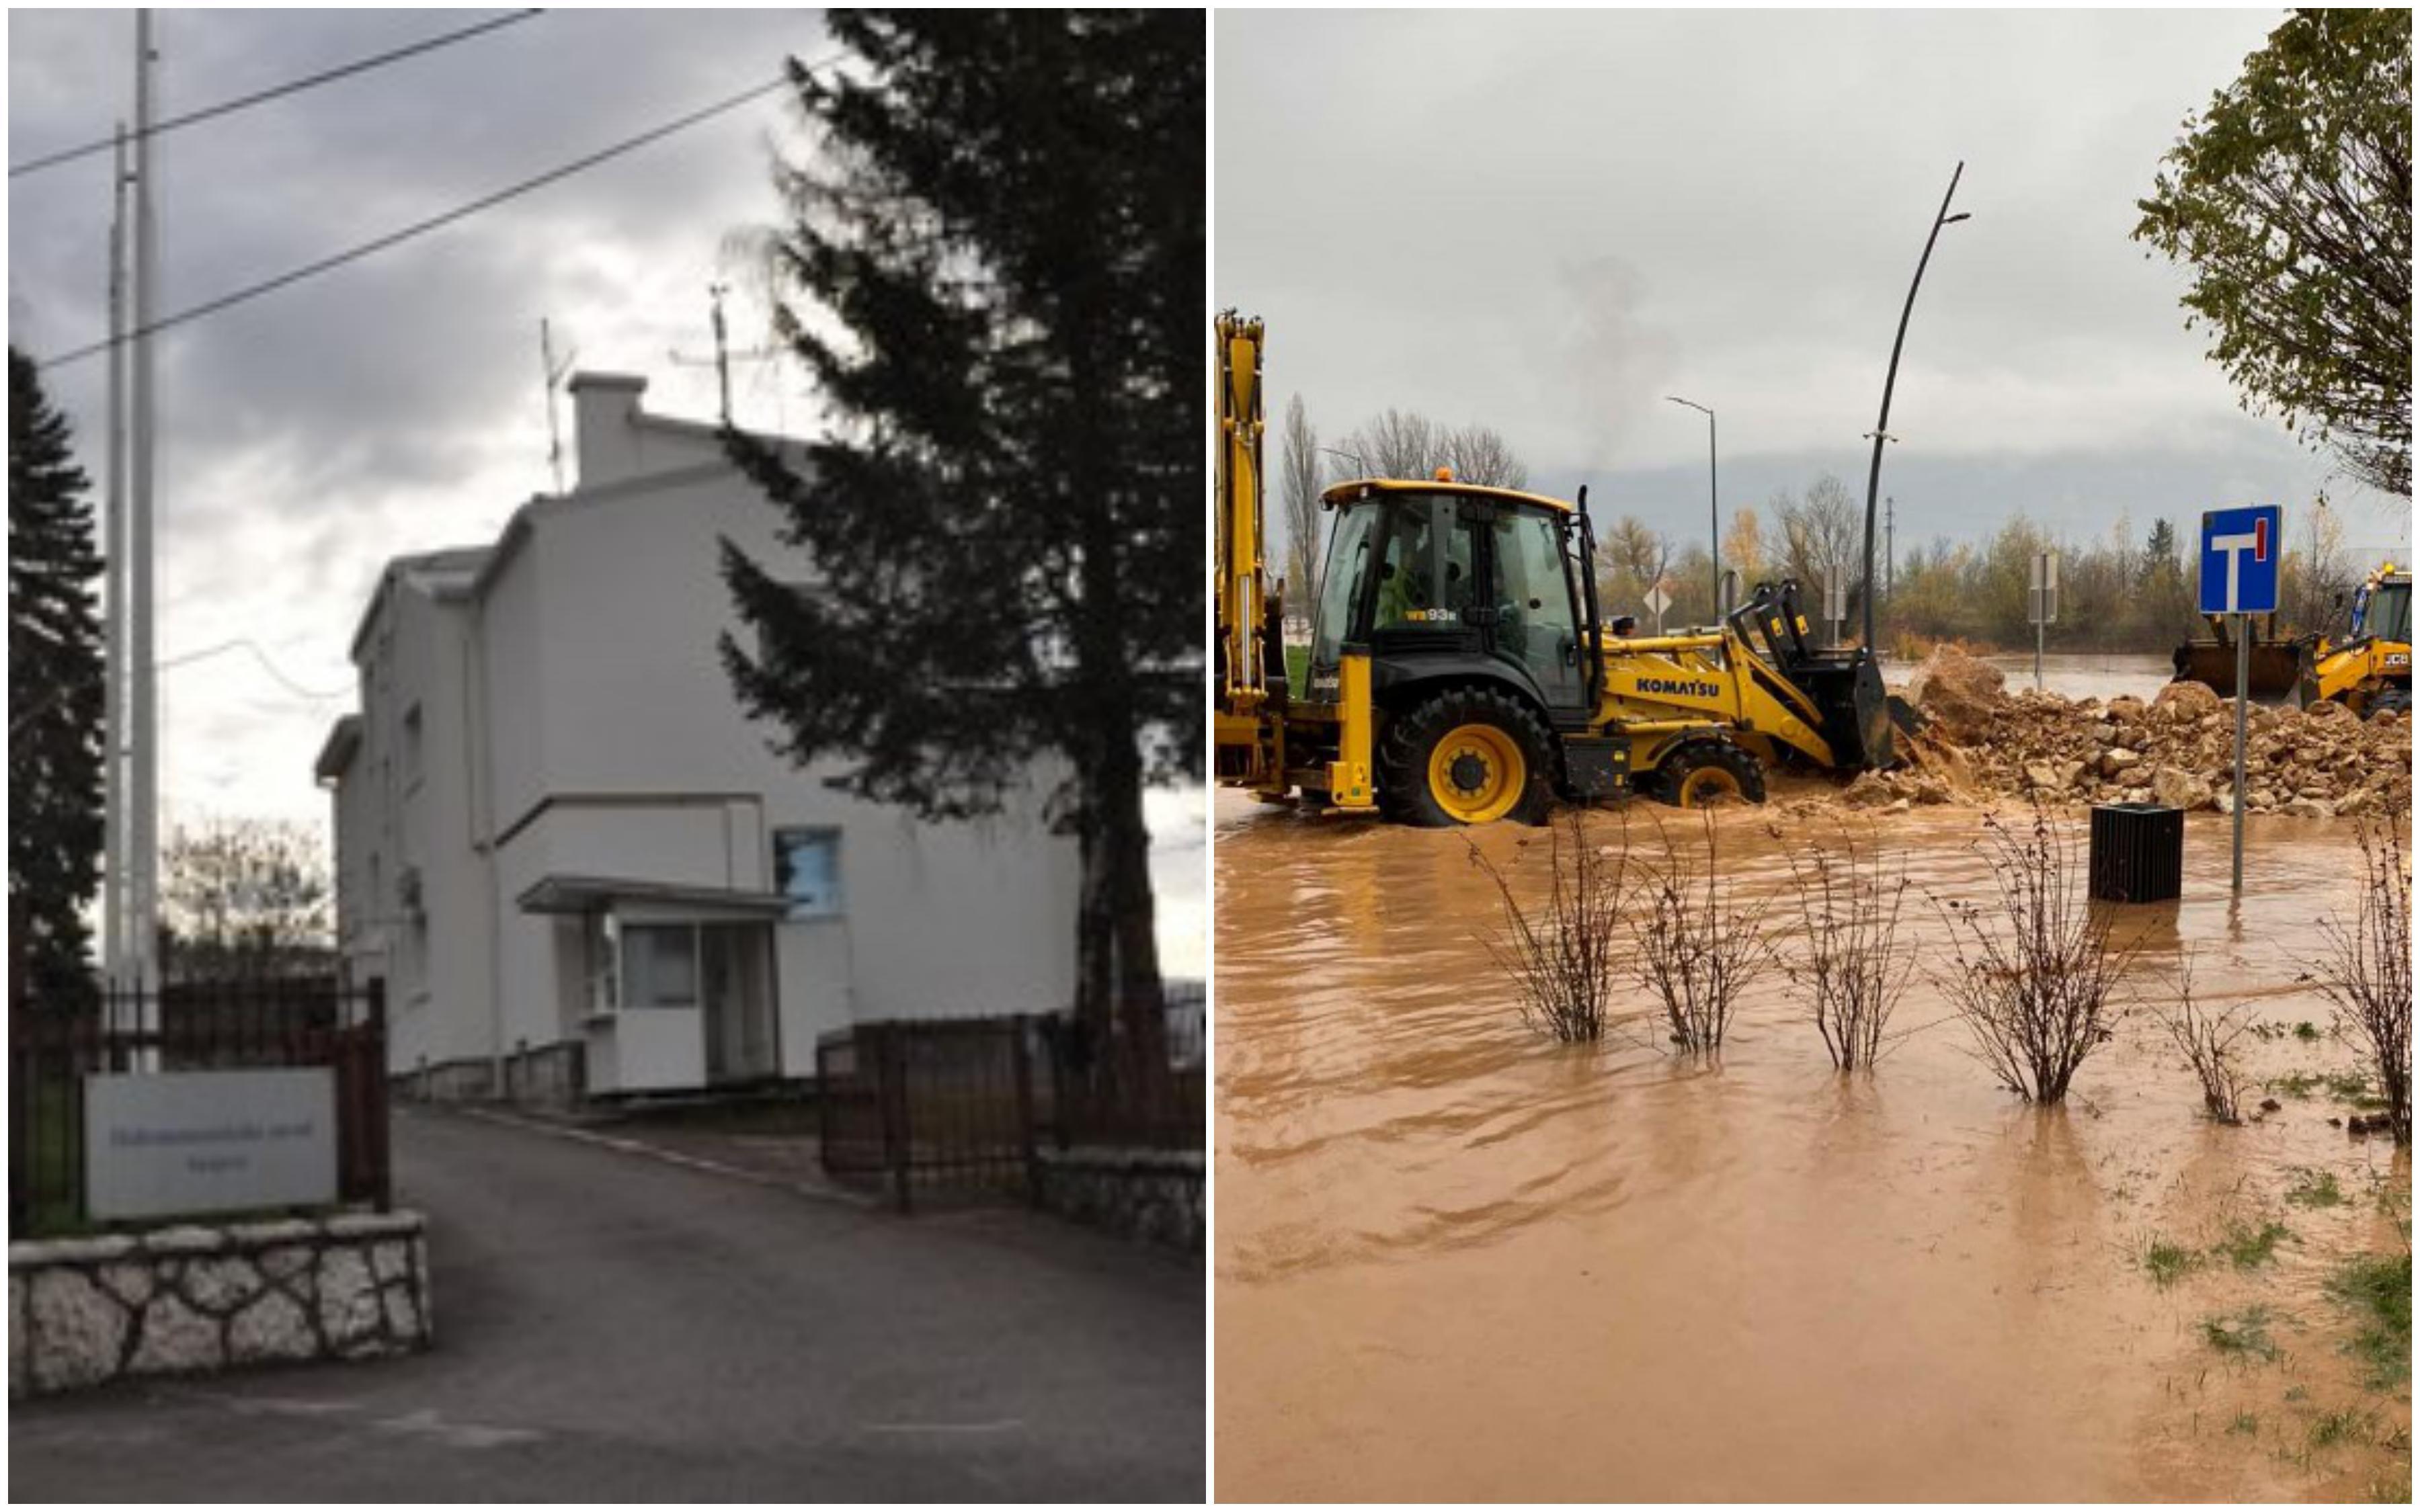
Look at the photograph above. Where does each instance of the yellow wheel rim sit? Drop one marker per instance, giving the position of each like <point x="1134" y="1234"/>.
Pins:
<point x="1707" y="784"/>
<point x="1476" y="774"/>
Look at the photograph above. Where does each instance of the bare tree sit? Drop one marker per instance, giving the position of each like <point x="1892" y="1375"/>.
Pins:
<point x="1822" y="534"/>
<point x="2366" y="968"/>
<point x="2207" y="1038"/>
<point x="1479" y="455"/>
<point x="245" y="897"/>
<point x="1698" y="945"/>
<point x="1397" y="444"/>
<point x="1853" y="961"/>
<point x="2033" y="973"/>
<point x="1403" y="444"/>
<point x="1564" y="956"/>
<point x="1298" y="486"/>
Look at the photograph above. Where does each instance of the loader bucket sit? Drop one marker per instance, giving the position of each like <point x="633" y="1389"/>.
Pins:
<point x="2277" y="668"/>
<point x="1875" y="726"/>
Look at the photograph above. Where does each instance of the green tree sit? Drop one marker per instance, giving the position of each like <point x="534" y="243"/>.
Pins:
<point x="2291" y="199"/>
<point x="54" y="698"/>
<point x="1002" y="232"/>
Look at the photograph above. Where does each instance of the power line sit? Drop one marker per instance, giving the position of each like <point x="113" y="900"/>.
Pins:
<point x="248" y="644"/>
<point x="420" y="227"/>
<point x="263" y="96"/>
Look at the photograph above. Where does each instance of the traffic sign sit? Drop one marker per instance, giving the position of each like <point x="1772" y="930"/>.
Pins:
<point x="2240" y="549"/>
<point x="1657" y="600"/>
<point x="2041" y="588"/>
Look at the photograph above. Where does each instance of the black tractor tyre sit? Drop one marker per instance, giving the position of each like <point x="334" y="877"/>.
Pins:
<point x="2395" y="697"/>
<point x="1699" y="770"/>
<point x="1408" y="749"/>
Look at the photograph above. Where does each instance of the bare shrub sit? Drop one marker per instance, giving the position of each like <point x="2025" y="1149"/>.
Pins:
<point x="2035" y="974"/>
<point x="2365" y="966"/>
<point x="1565" y="958"/>
<point x="1853" y="961"/>
<point x="1698" y="948"/>
<point x="2207" y="1038"/>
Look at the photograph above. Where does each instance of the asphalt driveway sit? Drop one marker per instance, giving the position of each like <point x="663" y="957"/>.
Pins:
<point x="616" y="1327"/>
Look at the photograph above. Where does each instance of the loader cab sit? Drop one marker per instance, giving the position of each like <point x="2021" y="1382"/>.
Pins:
<point x="1441" y="579"/>
<point x="2384" y="612"/>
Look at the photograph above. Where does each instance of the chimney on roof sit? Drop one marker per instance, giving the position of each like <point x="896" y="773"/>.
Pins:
<point x="605" y="426"/>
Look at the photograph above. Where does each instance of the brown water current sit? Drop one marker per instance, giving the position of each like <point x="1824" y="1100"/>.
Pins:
<point x="1456" y="1260"/>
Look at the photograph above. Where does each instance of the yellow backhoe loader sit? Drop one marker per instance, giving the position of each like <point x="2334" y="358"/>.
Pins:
<point x="1459" y="671"/>
<point x="2371" y="668"/>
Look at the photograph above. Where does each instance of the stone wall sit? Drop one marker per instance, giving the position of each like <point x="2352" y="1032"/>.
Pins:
<point x="1151" y="1194"/>
<point x="195" y="1298"/>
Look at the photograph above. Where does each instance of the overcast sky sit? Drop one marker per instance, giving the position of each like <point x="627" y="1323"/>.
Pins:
<point x="1545" y="221"/>
<point x="396" y="406"/>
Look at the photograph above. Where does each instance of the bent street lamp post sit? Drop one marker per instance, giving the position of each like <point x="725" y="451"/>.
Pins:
<point x="1713" y="500"/>
<point x="1874" y="473"/>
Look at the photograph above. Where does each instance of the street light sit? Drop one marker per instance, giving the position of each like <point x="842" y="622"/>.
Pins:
<point x="1880" y="432"/>
<point x="1714" y="497"/>
<point x="1354" y="458"/>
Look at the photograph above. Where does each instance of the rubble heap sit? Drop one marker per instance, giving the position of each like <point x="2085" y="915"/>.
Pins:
<point x="1980" y="742"/>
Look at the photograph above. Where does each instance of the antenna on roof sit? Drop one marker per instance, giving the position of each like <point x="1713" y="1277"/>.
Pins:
<point x="554" y="373"/>
<point x="722" y="353"/>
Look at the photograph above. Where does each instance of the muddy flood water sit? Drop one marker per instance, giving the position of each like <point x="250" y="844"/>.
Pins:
<point x="1457" y="1260"/>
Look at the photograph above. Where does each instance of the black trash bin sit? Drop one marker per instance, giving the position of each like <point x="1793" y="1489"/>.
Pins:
<point x="2138" y="852"/>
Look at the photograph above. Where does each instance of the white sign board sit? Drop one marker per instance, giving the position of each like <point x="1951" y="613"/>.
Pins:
<point x="1658" y="600"/>
<point x="208" y="1141"/>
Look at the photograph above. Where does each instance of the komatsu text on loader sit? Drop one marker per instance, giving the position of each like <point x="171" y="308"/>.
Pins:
<point x="1459" y="671"/>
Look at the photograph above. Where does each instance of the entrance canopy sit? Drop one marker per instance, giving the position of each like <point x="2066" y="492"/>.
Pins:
<point x="559" y="894"/>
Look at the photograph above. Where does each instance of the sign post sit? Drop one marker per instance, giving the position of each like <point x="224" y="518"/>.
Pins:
<point x="2041" y="604"/>
<point x="2239" y="554"/>
<point x="1656" y="600"/>
<point x="1729" y="598"/>
<point x="1836" y="599"/>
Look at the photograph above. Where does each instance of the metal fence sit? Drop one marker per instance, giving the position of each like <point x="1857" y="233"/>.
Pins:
<point x="270" y="1023"/>
<point x="969" y="1104"/>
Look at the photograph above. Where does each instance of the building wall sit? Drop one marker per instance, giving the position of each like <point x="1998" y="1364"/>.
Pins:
<point x="573" y="705"/>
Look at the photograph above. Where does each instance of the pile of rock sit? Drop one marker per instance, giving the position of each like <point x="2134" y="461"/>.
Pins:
<point x="2179" y="749"/>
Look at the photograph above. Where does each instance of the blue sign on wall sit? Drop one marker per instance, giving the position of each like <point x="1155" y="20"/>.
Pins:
<point x="2239" y="552"/>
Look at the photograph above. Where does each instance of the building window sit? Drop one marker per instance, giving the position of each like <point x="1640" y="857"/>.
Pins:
<point x="658" y="965"/>
<point x="806" y="871"/>
<point x="411" y="750"/>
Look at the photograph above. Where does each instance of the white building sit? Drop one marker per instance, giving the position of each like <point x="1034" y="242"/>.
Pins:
<point x="556" y="828"/>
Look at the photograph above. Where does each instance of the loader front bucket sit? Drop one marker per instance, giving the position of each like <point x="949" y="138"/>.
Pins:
<point x="2277" y="668"/>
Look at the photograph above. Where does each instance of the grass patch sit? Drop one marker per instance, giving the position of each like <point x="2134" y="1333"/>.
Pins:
<point x="2302" y="1083"/>
<point x="2246" y="1333"/>
<point x="2377" y="1289"/>
<point x="2244" y="1423"/>
<point x="2298" y="1394"/>
<point x="2306" y="1031"/>
<point x="2169" y="1262"/>
<point x="2249" y="1247"/>
<point x="2345" y="1424"/>
<point x="2315" y="1189"/>
<point x="2351" y="1086"/>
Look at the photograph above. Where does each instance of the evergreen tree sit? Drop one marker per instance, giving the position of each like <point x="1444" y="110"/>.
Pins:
<point x="54" y="698"/>
<point x="1002" y="236"/>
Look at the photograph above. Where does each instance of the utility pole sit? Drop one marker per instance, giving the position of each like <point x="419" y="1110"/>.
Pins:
<point x="143" y="833"/>
<point x="113" y="895"/>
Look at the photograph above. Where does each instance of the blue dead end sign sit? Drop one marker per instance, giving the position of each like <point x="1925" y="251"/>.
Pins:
<point x="2239" y="552"/>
